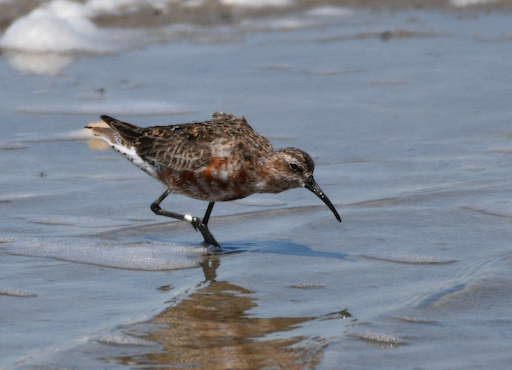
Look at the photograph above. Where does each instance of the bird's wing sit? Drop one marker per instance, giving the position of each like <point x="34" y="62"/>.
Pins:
<point x="180" y="147"/>
<point x="190" y="146"/>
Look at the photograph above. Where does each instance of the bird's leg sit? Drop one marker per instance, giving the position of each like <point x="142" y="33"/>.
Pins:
<point x="208" y="212"/>
<point x="196" y="223"/>
<point x="200" y="226"/>
<point x="155" y="207"/>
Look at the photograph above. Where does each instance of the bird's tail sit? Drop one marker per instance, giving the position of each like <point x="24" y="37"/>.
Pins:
<point x="118" y="133"/>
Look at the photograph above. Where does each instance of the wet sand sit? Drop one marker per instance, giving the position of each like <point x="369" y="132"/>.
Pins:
<point x="407" y="116"/>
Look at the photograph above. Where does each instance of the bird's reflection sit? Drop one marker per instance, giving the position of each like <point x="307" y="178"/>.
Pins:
<point x="213" y="329"/>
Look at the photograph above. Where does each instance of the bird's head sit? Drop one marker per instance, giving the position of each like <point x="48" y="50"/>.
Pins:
<point x="290" y="168"/>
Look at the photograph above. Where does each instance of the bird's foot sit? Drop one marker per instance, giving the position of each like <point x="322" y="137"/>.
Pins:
<point x="198" y="225"/>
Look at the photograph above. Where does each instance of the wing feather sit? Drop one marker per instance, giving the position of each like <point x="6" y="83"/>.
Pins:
<point x="191" y="146"/>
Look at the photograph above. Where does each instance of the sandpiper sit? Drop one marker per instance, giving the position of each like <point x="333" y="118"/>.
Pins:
<point x="216" y="160"/>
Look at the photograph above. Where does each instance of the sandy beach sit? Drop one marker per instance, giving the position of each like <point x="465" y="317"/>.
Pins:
<point x="405" y="109"/>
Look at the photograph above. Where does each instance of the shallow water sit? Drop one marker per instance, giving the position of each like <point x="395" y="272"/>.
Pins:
<point x="407" y="115"/>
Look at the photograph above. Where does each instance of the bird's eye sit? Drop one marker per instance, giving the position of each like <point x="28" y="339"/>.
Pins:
<point x="294" y="167"/>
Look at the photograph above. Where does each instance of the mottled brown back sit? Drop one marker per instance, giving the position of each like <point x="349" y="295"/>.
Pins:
<point x="189" y="146"/>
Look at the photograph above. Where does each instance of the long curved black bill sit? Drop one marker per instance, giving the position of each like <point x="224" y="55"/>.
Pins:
<point x="313" y="186"/>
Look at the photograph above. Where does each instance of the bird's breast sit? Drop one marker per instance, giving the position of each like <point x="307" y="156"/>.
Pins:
<point x="220" y="180"/>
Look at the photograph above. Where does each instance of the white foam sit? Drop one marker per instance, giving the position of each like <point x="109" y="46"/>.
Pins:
<point x="377" y="337"/>
<point x="120" y="339"/>
<point x="150" y="256"/>
<point x="499" y="208"/>
<point x="16" y="292"/>
<point x="409" y="258"/>
<point x="330" y="11"/>
<point x="116" y="6"/>
<point x="62" y="26"/>
<point x="46" y="40"/>
<point x="57" y="26"/>
<point x="463" y="3"/>
<point x="282" y="24"/>
<point x="125" y="6"/>
<point x="416" y="320"/>
<point x="258" y="3"/>
<point x="126" y="107"/>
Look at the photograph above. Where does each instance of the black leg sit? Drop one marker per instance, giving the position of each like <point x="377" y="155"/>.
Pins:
<point x="196" y="223"/>
<point x="206" y="217"/>
<point x="155" y="207"/>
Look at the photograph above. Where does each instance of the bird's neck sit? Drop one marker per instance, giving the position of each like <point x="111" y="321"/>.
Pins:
<point x="272" y="175"/>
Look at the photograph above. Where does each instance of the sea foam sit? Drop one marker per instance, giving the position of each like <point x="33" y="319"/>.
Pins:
<point x="378" y="338"/>
<point x="144" y="255"/>
<point x="57" y="26"/>
<point x="258" y="3"/>
<point x="120" y="339"/>
<point x="16" y="292"/>
<point x="464" y="3"/>
<point x="62" y="26"/>
<point x="408" y="258"/>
